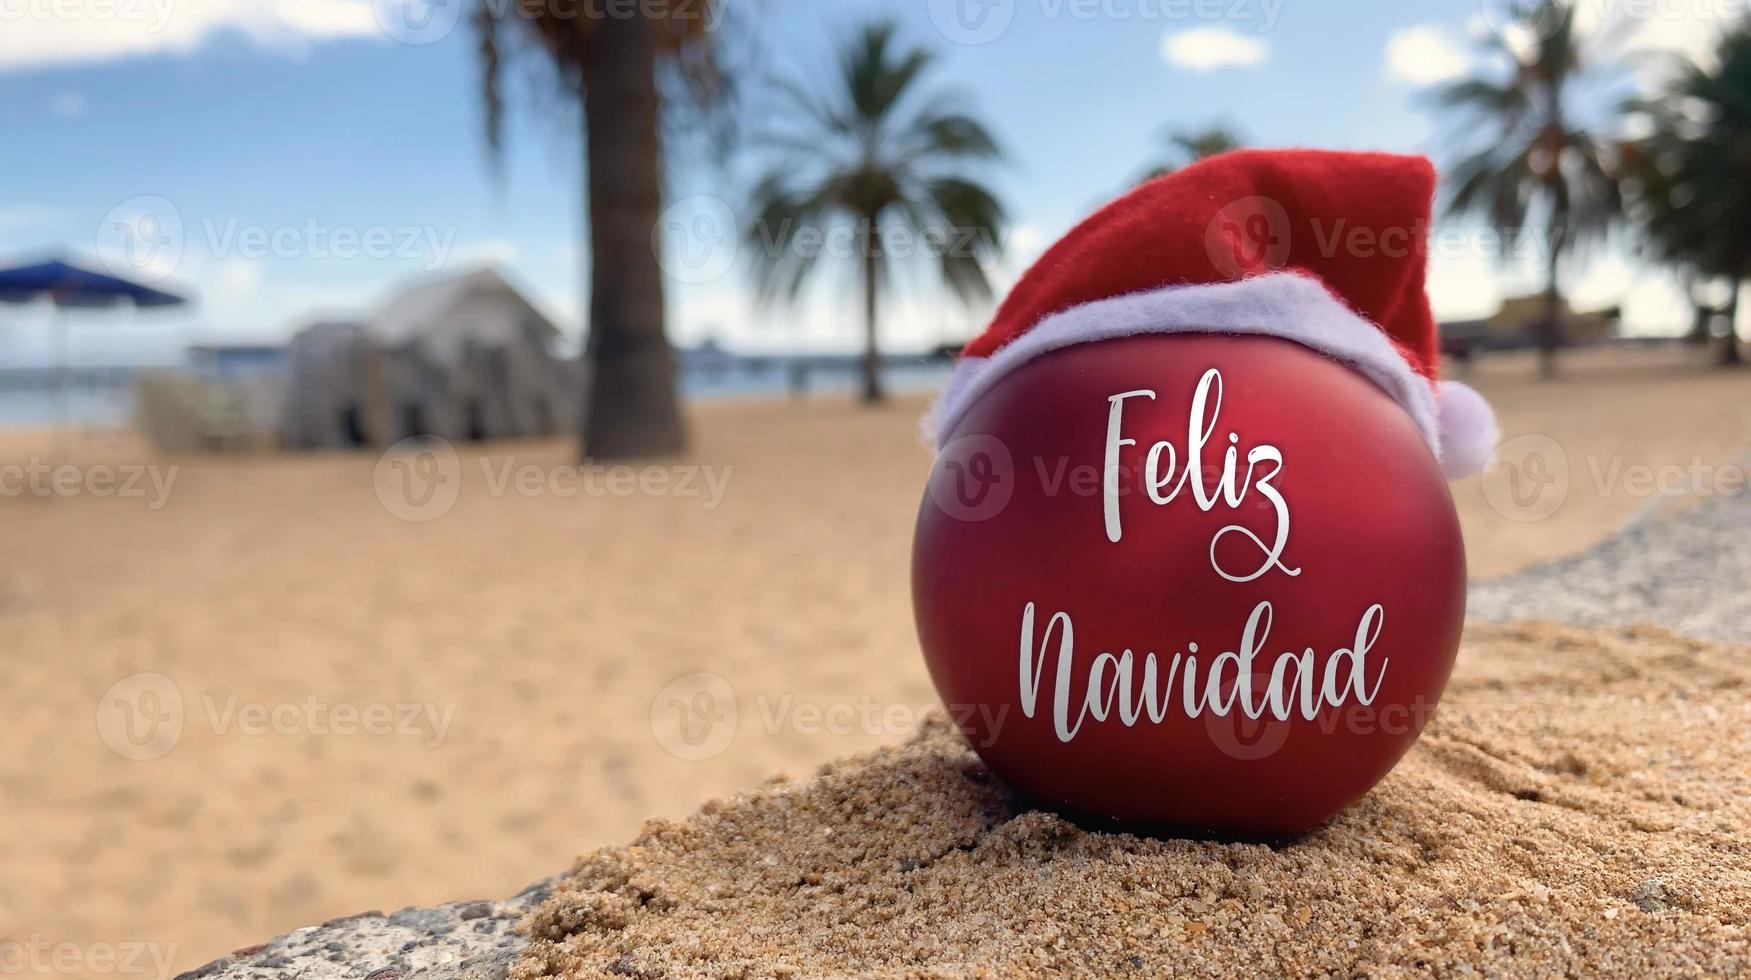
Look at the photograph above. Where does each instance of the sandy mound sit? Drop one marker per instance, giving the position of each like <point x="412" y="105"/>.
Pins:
<point x="550" y="624"/>
<point x="1581" y="805"/>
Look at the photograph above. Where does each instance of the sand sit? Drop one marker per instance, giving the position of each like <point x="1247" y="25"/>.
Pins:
<point x="543" y="628"/>
<point x="1607" y="434"/>
<point x="1579" y="806"/>
<point x="1686" y="571"/>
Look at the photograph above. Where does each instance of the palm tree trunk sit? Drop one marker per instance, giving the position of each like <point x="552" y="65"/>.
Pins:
<point x="1701" y="321"/>
<point x="1550" y="324"/>
<point x="872" y="357"/>
<point x="1729" y="356"/>
<point x="629" y="405"/>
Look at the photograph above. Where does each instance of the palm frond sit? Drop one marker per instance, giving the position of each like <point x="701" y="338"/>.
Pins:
<point x="564" y="34"/>
<point x="1493" y="184"/>
<point x="784" y="237"/>
<point x="946" y="136"/>
<point x="1504" y="103"/>
<point x="1689" y="189"/>
<point x="877" y="79"/>
<point x="1526" y="159"/>
<point x="972" y="219"/>
<point x="853" y="161"/>
<point x="1187" y="146"/>
<point x="488" y="45"/>
<point x="813" y="110"/>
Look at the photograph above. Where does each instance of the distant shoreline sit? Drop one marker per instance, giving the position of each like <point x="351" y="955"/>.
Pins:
<point x="111" y="406"/>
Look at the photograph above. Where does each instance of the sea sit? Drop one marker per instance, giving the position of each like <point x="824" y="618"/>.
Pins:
<point x="108" y="402"/>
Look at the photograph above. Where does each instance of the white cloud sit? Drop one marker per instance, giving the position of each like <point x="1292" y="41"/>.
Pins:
<point x="51" y="33"/>
<point x="1424" y="55"/>
<point x="1209" y="48"/>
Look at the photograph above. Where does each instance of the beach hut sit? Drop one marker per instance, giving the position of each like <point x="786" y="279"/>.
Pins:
<point x="334" y="393"/>
<point x="465" y="358"/>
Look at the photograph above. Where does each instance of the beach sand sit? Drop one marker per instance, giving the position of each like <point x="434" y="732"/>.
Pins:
<point x="1579" y="806"/>
<point x="519" y="643"/>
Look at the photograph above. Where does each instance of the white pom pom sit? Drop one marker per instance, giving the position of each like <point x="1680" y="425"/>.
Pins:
<point x="1468" y="429"/>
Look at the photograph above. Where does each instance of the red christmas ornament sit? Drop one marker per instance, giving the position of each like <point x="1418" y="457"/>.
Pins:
<point x="1187" y="558"/>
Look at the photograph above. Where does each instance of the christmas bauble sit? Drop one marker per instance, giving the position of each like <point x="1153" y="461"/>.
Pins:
<point x="1189" y="583"/>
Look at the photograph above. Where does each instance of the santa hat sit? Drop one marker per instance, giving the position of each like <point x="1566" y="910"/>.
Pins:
<point x="1326" y="249"/>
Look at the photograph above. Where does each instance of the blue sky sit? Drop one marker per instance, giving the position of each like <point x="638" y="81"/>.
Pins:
<point x="313" y="161"/>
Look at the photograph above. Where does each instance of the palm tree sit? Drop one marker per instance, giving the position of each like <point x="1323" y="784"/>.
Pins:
<point x="1690" y="193"/>
<point x="611" y="65"/>
<point x="1189" y="146"/>
<point x="875" y="160"/>
<point x="1537" y="159"/>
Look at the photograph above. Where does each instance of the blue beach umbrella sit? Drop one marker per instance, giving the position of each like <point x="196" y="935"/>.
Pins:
<point x="68" y="286"/>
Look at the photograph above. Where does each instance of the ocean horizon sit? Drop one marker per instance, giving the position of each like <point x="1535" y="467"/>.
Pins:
<point x="111" y="405"/>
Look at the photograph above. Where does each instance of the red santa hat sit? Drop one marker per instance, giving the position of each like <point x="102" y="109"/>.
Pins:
<point x="1326" y="249"/>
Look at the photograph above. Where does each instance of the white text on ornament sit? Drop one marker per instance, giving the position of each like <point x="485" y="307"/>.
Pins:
<point x="1111" y="687"/>
<point x="1166" y="475"/>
